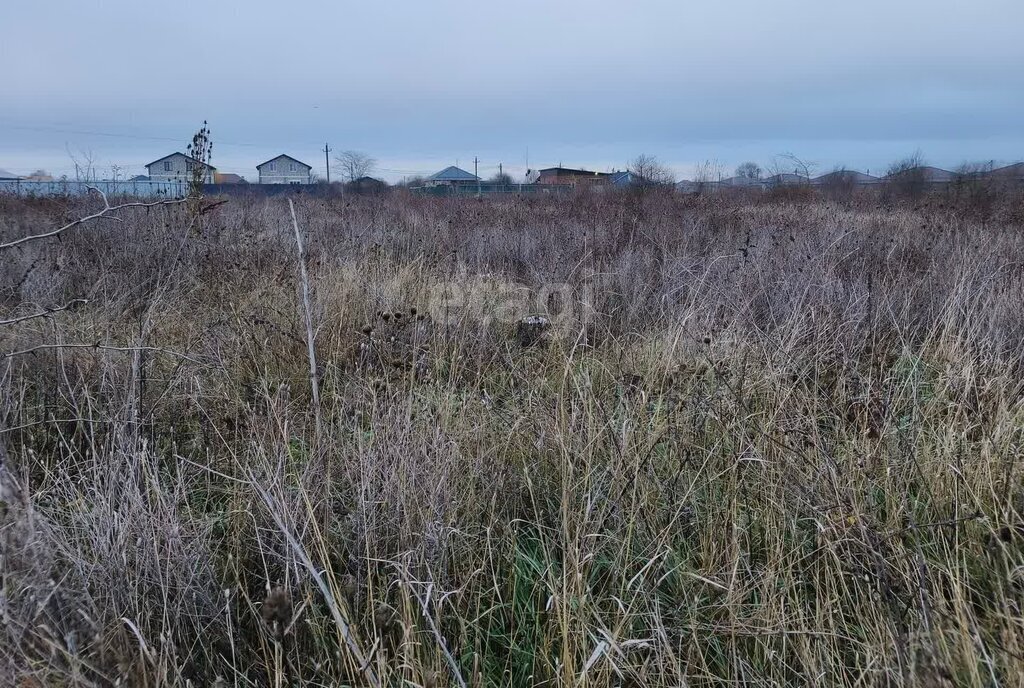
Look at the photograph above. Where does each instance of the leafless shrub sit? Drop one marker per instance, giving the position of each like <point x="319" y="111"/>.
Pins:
<point x="839" y="185"/>
<point x="905" y="178"/>
<point x="707" y="175"/>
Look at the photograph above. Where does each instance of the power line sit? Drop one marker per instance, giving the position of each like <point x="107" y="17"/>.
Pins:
<point x="83" y="132"/>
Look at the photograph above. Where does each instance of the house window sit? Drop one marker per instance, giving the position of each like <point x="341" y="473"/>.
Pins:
<point x="291" y="167"/>
<point x="167" y="165"/>
<point x="188" y="167"/>
<point x="271" y="167"/>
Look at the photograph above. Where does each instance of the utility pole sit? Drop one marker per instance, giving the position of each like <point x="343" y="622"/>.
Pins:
<point x="327" y="161"/>
<point x="476" y="164"/>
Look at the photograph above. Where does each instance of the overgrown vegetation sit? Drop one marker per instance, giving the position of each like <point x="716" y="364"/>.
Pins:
<point x="775" y="443"/>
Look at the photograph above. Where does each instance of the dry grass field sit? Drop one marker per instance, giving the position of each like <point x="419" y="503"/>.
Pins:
<point x="760" y="441"/>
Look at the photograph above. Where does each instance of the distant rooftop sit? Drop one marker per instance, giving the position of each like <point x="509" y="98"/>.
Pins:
<point x="1015" y="171"/>
<point x="187" y="157"/>
<point x="452" y="174"/>
<point x="846" y="175"/>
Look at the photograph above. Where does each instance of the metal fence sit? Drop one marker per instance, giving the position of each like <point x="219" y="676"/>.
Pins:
<point x="157" y="189"/>
<point x="488" y="189"/>
<point x="22" y="187"/>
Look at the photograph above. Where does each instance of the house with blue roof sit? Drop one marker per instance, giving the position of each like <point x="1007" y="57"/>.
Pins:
<point x="451" y="176"/>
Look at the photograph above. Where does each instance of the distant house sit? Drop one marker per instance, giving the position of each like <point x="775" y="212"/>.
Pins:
<point x="6" y="176"/>
<point x="786" y="179"/>
<point x="845" y="177"/>
<point x="451" y="176"/>
<point x="742" y="183"/>
<point x="568" y="175"/>
<point x="228" y="178"/>
<point x="935" y="175"/>
<point x="284" y="169"/>
<point x="1013" y="172"/>
<point x="178" y="167"/>
<point x="923" y="174"/>
<point x="625" y="178"/>
<point x="368" y="186"/>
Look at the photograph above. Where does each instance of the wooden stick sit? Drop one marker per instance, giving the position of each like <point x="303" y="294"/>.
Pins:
<point x="314" y="377"/>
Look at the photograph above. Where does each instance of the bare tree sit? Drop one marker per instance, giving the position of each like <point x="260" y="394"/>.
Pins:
<point x="354" y="164"/>
<point x="649" y="171"/>
<point x="785" y="163"/>
<point x="707" y="174"/>
<point x="906" y="177"/>
<point x="85" y="170"/>
<point x="749" y="170"/>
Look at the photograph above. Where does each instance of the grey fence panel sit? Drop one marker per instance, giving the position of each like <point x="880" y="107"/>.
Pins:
<point x="146" y="189"/>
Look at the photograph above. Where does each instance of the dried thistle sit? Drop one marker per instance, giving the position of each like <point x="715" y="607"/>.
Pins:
<point x="277" y="609"/>
<point x="384" y="618"/>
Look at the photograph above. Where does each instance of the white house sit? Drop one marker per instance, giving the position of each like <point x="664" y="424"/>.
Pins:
<point x="284" y="169"/>
<point x="177" y="167"/>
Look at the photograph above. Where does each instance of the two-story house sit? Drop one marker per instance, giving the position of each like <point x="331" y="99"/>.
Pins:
<point x="284" y="169"/>
<point x="178" y="167"/>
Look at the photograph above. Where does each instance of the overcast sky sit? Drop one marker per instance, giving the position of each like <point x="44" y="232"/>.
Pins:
<point x="589" y="83"/>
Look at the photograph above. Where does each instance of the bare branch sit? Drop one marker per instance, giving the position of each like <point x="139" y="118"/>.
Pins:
<point x="105" y="212"/>
<point x="46" y="313"/>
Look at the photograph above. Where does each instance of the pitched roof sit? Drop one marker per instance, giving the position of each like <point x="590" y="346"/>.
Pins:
<point x="4" y="174"/>
<point x="228" y="178"/>
<point x="574" y="172"/>
<point x="278" y="157"/>
<point x="1013" y="171"/>
<point x="928" y="174"/>
<point x="187" y="157"/>
<point x="623" y="177"/>
<point x="935" y="174"/>
<point x="741" y="181"/>
<point x="452" y="174"/>
<point x="787" y="178"/>
<point x="842" y="175"/>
